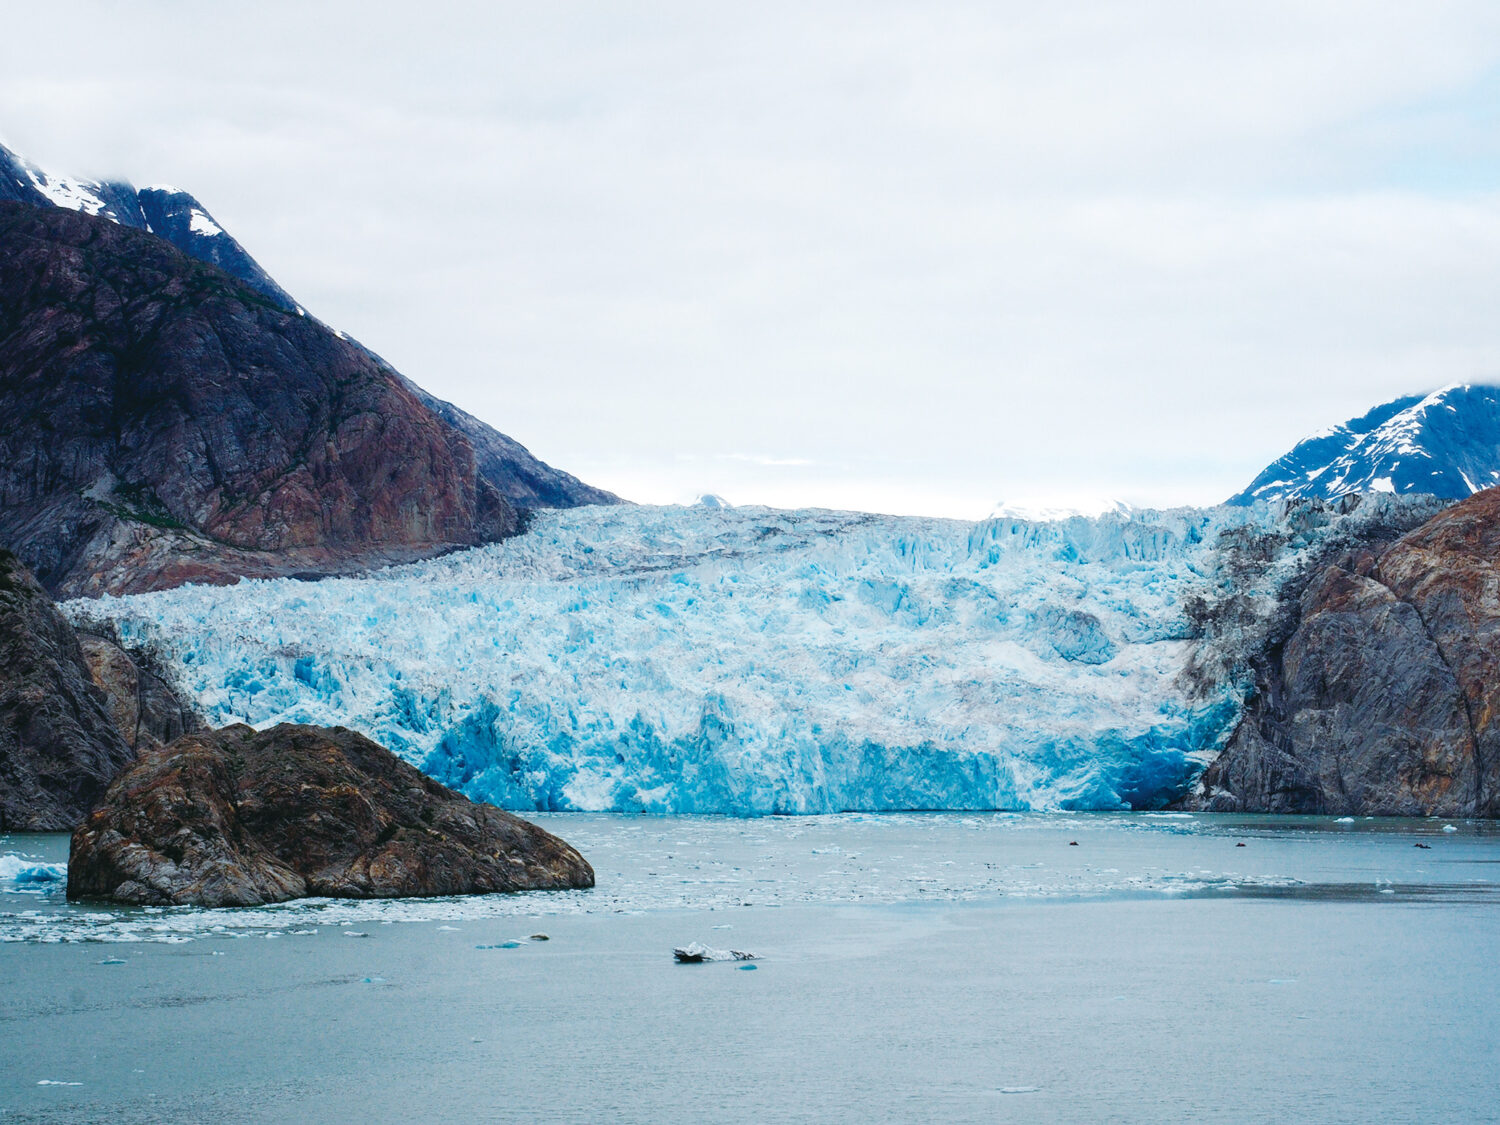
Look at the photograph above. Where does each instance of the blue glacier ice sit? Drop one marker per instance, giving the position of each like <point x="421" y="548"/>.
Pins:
<point x="753" y="661"/>
<point x="28" y="870"/>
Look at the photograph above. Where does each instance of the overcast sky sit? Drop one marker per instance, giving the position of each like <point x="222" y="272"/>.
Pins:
<point x="903" y="257"/>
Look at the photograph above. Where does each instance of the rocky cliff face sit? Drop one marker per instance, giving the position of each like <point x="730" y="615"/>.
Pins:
<point x="163" y="423"/>
<point x="182" y="221"/>
<point x="140" y="696"/>
<point x="239" y="817"/>
<point x="75" y="709"/>
<point x="1383" y="698"/>
<point x="59" y="746"/>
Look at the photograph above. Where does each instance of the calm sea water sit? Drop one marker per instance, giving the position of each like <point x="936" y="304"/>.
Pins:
<point x="945" y="967"/>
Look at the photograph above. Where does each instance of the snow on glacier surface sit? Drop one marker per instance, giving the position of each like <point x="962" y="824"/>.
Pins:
<point x="744" y="661"/>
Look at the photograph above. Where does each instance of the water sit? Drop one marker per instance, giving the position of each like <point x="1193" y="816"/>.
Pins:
<point x="950" y="967"/>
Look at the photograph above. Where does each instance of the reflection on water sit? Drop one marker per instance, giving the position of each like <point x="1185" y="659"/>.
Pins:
<point x="713" y="863"/>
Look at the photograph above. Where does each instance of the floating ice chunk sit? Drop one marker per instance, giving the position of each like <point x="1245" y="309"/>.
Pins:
<point x="55" y="1082"/>
<point x="1344" y="820"/>
<point x="696" y="952"/>
<point x="25" y="869"/>
<point x="1449" y="828"/>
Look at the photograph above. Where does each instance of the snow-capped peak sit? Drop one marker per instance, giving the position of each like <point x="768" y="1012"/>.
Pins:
<point x="1446" y="443"/>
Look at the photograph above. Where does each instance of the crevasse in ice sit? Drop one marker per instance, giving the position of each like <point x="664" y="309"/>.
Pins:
<point x="751" y="661"/>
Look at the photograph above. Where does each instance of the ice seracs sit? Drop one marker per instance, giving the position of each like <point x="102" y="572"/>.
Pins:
<point x="752" y="661"/>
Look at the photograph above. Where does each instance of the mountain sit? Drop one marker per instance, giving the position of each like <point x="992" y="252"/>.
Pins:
<point x="1445" y="444"/>
<point x="163" y="211"/>
<point x="169" y="414"/>
<point x="161" y="422"/>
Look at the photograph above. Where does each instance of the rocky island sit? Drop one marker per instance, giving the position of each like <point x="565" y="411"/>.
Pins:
<point x="239" y="817"/>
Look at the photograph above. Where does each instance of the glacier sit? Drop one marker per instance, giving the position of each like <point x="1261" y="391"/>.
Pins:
<point x="753" y="661"/>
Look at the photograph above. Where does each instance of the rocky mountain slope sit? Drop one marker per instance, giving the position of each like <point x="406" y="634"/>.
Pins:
<point x="239" y="817"/>
<point x="72" y="715"/>
<point x="1443" y="444"/>
<point x="1382" y="699"/>
<point x="167" y="423"/>
<point x="161" y="422"/>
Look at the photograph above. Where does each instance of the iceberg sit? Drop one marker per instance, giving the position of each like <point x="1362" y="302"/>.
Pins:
<point x="28" y="870"/>
<point x="754" y="661"/>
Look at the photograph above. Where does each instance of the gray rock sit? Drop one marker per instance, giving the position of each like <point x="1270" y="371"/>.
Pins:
<point x="59" y="746"/>
<point x="1381" y="701"/>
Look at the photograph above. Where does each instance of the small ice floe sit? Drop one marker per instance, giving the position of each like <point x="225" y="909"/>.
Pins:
<point x="1019" y="1089"/>
<point x="748" y="968"/>
<point x="1344" y="820"/>
<point x="355" y="933"/>
<point x="26" y="870"/>
<point x="113" y="961"/>
<point x="1449" y="828"/>
<point x="450" y="929"/>
<point x="696" y="952"/>
<point x="54" y="1082"/>
<point x="501" y="945"/>
<point x="372" y="980"/>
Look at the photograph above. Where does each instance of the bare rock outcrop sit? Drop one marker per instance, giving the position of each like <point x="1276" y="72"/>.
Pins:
<point x="238" y="817"/>
<point x="59" y="746"/>
<point x="1383" y="700"/>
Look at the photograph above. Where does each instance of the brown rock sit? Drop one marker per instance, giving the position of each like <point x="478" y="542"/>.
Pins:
<point x="238" y="817"/>
<point x="145" y="707"/>
<point x="1383" y="700"/>
<point x="161" y="422"/>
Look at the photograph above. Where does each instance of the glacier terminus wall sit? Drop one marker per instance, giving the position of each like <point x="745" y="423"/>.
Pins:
<point x="752" y="661"/>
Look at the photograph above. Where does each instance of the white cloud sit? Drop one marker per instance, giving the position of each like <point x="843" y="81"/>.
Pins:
<point x="941" y="253"/>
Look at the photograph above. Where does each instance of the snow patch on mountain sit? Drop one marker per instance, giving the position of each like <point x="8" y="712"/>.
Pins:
<point x="1445" y="444"/>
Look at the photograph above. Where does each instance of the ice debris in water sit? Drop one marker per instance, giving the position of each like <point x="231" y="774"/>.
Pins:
<point x="24" y="869"/>
<point x="695" y="952"/>
<point x="754" y="661"/>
